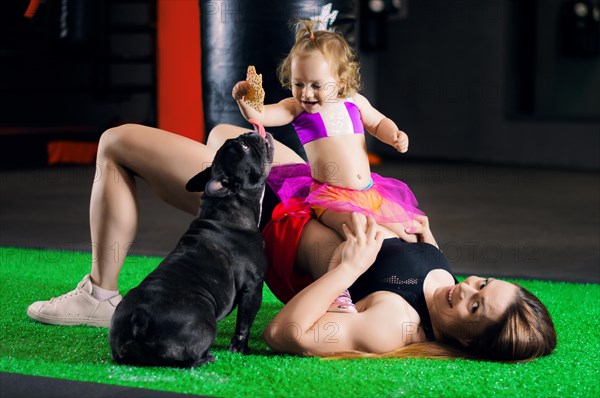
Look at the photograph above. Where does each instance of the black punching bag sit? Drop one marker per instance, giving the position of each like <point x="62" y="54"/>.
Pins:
<point x="238" y="33"/>
<point x="79" y="25"/>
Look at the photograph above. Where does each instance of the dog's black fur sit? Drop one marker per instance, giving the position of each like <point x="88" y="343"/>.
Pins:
<point x="170" y="319"/>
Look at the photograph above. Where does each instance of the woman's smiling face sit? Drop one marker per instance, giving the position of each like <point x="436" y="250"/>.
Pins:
<point x="464" y="311"/>
<point x="313" y="84"/>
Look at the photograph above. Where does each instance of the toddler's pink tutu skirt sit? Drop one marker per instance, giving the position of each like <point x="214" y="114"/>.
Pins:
<point x="388" y="200"/>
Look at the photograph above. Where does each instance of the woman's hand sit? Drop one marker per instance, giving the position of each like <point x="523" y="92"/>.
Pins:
<point x="421" y="230"/>
<point x="361" y="246"/>
<point x="296" y="328"/>
<point x="240" y="90"/>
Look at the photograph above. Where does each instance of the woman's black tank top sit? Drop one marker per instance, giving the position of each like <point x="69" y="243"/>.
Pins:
<point x="401" y="268"/>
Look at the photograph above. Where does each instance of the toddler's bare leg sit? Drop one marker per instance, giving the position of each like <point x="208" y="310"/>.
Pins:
<point x="335" y="220"/>
<point x="401" y="231"/>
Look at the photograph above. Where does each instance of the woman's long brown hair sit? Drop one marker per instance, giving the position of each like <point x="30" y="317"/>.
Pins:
<point x="525" y="332"/>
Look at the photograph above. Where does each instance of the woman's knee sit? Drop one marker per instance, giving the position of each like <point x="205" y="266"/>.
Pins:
<point x="115" y="140"/>
<point x="221" y="133"/>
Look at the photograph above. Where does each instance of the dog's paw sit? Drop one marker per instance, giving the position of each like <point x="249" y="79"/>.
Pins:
<point x="239" y="344"/>
<point x="205" y="359"/>
<point x="210" y="358"/>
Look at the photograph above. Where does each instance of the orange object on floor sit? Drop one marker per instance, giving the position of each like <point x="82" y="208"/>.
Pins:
<point x="178" y="68"/>
<point x="74" y="152"/>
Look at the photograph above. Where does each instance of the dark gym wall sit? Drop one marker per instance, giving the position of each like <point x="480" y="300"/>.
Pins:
<point x="468" y="80"/>
<point x="568" y="78"/>
<point x="448" y="77"/>
<point x="94" y="68"/>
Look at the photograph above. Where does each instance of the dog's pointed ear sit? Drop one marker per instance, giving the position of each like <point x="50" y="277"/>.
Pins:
<point x="199" y="181"/>
<point x="219" y="188"/>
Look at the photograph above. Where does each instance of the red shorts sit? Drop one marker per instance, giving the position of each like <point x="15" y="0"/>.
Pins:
<point x="282" y="235"/>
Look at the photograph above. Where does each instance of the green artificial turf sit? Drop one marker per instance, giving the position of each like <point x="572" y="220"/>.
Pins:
<point x="83" y="353"/>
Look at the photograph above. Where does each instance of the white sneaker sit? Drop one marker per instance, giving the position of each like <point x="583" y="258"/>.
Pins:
<point x="78" y="307"/>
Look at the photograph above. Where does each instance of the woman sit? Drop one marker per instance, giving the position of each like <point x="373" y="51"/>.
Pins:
<point x="478" y="318"/>
<point x="388" y="320"/>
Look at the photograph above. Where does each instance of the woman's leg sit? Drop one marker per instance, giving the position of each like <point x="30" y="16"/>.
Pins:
<point x="164" y="160"/>
<point x="220" y="133"/>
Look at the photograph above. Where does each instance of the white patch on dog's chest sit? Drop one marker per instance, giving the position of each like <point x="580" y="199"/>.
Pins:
<point x="260" y="206"/>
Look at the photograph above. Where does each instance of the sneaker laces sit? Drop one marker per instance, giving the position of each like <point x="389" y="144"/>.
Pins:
<point x="68" y="295"/>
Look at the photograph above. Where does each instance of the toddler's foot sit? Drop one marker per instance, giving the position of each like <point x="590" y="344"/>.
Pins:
<point x="77" y="307"/>
<point x="343" y="304"/>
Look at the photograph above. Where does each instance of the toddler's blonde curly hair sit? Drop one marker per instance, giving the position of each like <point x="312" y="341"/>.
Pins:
<point x="336" y="50"/>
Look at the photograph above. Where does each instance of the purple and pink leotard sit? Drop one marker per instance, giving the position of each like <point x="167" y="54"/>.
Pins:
<point x="386" y="199"/>
<point x="343" y="121"/>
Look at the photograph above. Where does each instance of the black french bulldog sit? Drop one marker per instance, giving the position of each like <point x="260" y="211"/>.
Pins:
<point x="170" y="319"/>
